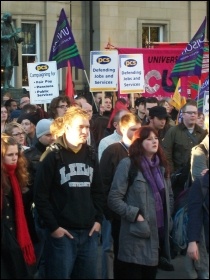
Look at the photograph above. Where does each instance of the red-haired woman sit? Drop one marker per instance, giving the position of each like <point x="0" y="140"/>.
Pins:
<point x="141" y="194"/>
<point x="17" y="252"/>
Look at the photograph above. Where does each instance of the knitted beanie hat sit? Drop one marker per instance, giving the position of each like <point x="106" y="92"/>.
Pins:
<point x="32" y="117"/>
<point x="43" y="127"/>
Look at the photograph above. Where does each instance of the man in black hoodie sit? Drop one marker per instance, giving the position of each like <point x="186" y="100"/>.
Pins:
<point x="70" y="200"/>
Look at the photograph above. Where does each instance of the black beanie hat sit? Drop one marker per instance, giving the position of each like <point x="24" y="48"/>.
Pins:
<point x="32" y="117"/>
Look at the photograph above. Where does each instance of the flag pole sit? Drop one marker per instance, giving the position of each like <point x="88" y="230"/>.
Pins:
<point x="199" y="87"/>
<point x="90" y="91"/>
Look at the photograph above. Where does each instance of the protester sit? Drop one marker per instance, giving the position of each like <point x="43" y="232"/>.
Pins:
<point x="24" y="100"/>
<point x="11" y="105"/>
<point x="15" y="115"/>
<point x="198" y="227"/>
<point x="115" y="136"/>
<point x="199" y="268"/>
<point x="200" y="154"/>
<point x="201" y="119"/>
<point x="58" y="106"/>
<point x="145" y="203"/>
<point x="4" y="117"/>
<point x="120" y="104"/>
<point x="15" y="130"/>
<point x="69" y="199"/>
<point x="105" y="109"/>
<point x="29" y="121"/>
<point x="178" y="142"/>
<point x="140" y="108"/>
<point x="33" y="155"/>
<point x="97" y="97"/>
<point x="165" y="103"/>
<point x="89" y="109"/>
<point x="159" y="120"/>
<point x="6" y="96"/>
<point x="111" y="156"/>
<point x="149" y="103"/>
<point x="17" y="252"/>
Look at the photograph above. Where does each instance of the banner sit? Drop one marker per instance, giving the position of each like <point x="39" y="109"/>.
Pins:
<point x="64" y="47"/>
<point x="158" y="64"/>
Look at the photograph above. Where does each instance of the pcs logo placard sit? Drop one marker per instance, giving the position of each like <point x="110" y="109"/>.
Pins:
<point x="42" y="67"/>
<point x="103" y="59"/>
<point x="130" y="63"/>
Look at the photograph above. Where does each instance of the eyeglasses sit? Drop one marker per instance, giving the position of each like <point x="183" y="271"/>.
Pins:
<point x="191" y="113"/>
<point x="63" y="106"/>
<point x="18" y="134"/>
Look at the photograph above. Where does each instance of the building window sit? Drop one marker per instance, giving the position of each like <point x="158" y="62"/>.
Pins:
<point x="30" y="47"/>
<point x="151" y="34"/>
<point x="150" y="31"/>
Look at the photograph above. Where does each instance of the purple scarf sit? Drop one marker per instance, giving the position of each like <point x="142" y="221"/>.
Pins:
<point x="153" y="175"/>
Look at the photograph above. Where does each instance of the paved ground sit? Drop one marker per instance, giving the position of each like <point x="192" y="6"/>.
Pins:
<point x="178" y="273"/>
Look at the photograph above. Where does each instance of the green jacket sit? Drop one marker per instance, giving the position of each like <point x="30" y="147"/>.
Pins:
<point x="177" y="144"/>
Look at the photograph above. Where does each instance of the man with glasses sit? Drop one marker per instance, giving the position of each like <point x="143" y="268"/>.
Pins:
<point x="178" y="142"/>
<point x="59" y="106"/>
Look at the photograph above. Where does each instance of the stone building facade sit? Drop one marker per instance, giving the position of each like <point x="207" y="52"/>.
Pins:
<point x="95" y="23"/>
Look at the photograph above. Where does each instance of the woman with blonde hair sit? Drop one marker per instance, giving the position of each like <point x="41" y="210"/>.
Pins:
<point x="17" y="252"/>
<point x="15" y="130"/>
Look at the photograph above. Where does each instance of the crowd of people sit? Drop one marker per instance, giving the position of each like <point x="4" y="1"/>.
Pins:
<point x="87" y="172"/>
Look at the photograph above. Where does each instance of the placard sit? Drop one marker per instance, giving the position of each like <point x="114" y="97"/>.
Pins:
<point x="131" y="73"/>
<point x="43" y="81"/>
<point x="103" y="71"/>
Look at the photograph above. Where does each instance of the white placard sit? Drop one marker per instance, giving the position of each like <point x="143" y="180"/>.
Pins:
<point x="43" y="81"/>
<point x="206" y="103"/>
<point x="131" y="73"/>
<point x="103" y="71"/>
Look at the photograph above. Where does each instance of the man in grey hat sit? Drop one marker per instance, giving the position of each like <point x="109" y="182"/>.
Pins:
<point x="33" y="155"/>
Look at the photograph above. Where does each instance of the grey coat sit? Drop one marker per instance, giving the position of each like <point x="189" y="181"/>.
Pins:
<point x="138" y="241"/>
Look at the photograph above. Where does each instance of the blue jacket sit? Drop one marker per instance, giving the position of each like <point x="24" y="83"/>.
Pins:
<point x="197" y="214"/>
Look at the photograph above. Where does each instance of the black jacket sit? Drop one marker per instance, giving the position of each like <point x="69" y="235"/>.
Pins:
<point x="68" y="190"/>
<point x="110" y="158"/>
<point x="197" y="213"/>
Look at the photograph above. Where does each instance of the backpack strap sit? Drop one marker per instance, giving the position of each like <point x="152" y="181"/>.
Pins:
<point x="132" y="173"/>
<point x="203" y="148"/>
<point x="57" y="148"/>
<point x="204" y="190"/>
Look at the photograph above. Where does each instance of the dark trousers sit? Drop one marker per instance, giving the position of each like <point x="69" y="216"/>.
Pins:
<point x="115" y="230"/>
<point x="137" y="271"/>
